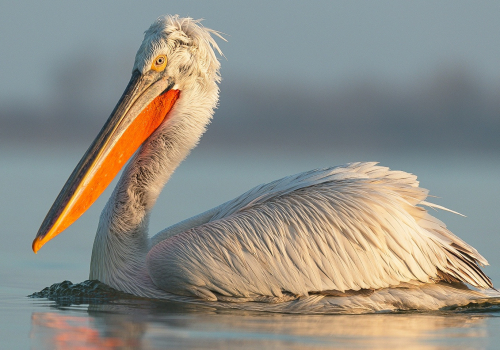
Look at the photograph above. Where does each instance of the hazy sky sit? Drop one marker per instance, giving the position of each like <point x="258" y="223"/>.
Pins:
<point x="318" y="42"/>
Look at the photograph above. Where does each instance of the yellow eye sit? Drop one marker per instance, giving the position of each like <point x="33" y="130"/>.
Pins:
<point x="159" y="63"/>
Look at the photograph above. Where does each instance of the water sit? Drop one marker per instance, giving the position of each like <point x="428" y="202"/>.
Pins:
<point x="30" y="180"/>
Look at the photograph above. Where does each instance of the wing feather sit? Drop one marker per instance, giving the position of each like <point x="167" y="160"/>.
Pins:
<point x="352" y="227"/>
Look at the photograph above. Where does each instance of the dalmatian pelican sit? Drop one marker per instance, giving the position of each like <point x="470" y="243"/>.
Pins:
<point x="353" y="236"/>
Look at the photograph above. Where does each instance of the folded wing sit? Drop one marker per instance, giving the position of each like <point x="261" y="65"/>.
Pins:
<point x="338" y="230"/>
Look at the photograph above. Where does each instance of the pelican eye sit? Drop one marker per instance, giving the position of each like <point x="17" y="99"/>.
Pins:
<point x="159" y="63"/>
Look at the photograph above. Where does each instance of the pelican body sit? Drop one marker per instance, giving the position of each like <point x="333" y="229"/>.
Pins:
<point x="351" y="237"/>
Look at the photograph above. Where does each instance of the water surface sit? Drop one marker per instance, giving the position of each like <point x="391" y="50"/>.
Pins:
<point x="31" y="179"/>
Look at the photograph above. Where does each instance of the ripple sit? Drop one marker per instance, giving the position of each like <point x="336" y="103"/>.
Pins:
<point x="94" y="292"/>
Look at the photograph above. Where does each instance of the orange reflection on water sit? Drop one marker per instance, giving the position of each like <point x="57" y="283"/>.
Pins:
<point x="73" y="332"/>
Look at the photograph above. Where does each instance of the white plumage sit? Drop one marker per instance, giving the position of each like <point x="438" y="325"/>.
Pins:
<point x="348" y="228"/>
<point x="353" y="237"/>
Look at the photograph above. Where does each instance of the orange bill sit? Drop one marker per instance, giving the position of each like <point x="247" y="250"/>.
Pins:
<point x="143" y="107"/>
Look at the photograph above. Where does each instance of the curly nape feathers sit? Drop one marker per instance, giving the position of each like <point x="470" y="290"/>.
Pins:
<point x="169" y="33"/>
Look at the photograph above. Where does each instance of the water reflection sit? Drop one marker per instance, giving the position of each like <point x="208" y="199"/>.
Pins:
<point x="140" y="324"/>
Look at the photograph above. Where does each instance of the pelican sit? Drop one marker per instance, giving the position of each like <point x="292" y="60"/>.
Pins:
<point x="354" y="236"/>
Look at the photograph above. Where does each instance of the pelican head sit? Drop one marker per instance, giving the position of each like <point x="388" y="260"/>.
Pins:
<point x="176" y="59"/>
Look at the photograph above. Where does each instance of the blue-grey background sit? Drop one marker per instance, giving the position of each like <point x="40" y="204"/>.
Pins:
<point x="414" y="85"/>
<point x="353" y="74"/>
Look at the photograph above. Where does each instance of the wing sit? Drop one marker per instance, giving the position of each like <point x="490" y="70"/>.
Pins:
<point x="337" y="230"/>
